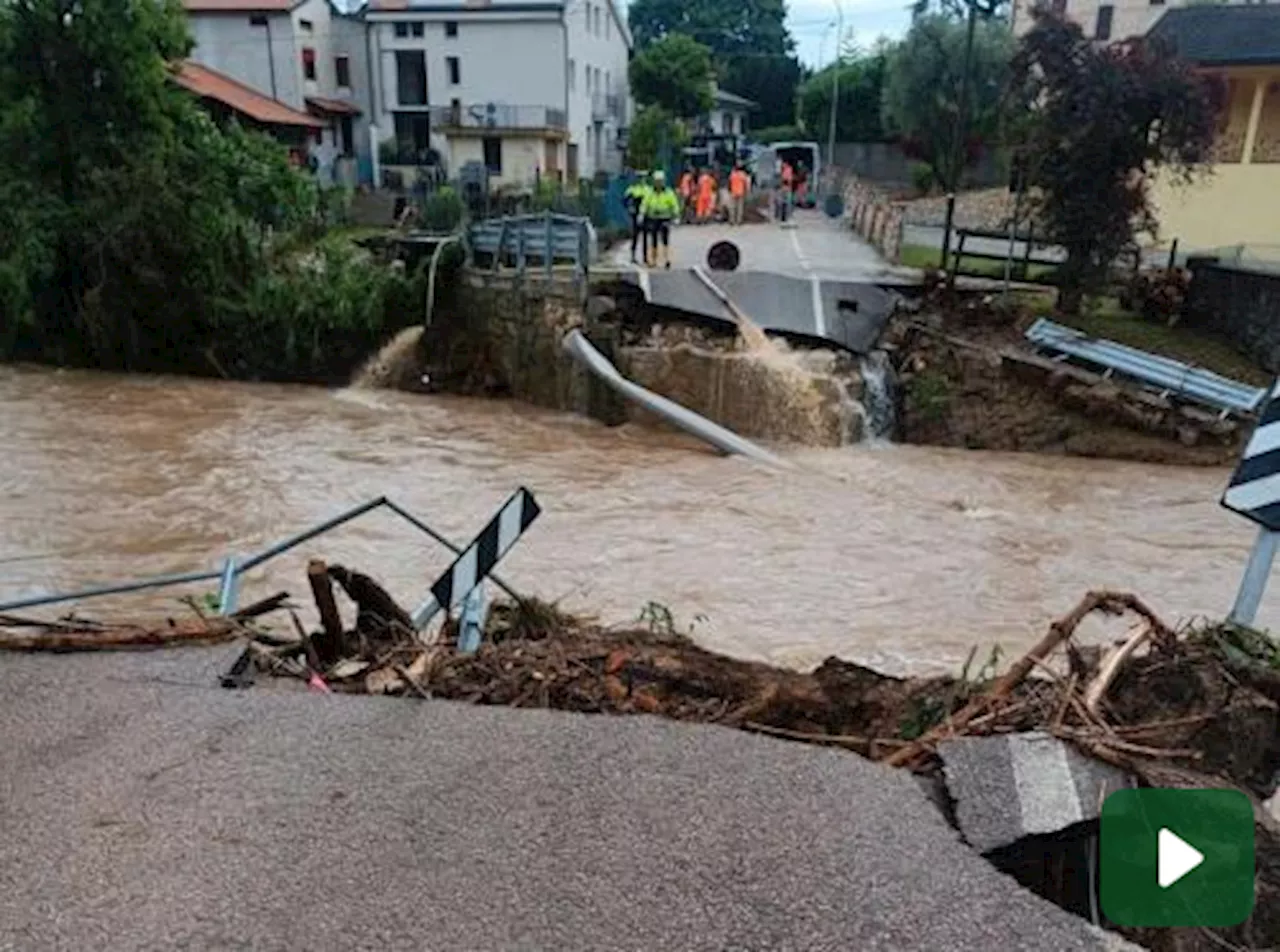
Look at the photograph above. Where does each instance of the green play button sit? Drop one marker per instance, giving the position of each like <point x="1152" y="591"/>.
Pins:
<point x="1177" y="858"/>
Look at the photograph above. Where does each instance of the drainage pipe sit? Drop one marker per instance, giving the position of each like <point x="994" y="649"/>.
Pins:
<point x="431" y="277"/>
<point x="724" y="440"/>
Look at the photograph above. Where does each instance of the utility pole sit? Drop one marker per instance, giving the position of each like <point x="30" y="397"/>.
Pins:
<point x="835" y="88"/>
<point x="956" y="163"/>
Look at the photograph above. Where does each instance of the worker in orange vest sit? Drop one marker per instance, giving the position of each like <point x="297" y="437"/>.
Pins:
<point x="706" y="195"/>
<point x="684" y="188"/>
<point x="739" y="183"/>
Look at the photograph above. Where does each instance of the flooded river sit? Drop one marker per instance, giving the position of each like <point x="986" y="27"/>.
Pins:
<point x="901" y="557"/>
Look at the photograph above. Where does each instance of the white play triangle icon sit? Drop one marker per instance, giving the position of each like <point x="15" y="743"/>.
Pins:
<point x="1175" y="857"/>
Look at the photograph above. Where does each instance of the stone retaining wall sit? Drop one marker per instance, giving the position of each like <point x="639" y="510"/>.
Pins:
<point x="874" y="217"/>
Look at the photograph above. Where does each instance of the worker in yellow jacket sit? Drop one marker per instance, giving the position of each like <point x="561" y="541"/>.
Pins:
<point x="660" y="208"/>
<point x="633" y="198"/>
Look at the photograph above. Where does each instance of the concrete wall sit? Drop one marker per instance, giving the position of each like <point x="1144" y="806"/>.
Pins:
<point x="883" y="163"/>
<point x="494" y="337"/>
<point x="1235" y="204"/>
<point x="264" y="57"/>
<point x="1239" y="302"/>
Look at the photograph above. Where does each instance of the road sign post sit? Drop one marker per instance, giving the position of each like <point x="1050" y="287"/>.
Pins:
<point x="1254" y="492"/>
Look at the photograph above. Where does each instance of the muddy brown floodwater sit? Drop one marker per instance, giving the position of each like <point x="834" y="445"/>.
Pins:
<point x="901" y="557"/>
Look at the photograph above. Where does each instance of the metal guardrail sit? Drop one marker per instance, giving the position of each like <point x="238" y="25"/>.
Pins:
<point x="1166" y="374"/>
<point x="519" y="240"/>
<point x="232" y="568"/>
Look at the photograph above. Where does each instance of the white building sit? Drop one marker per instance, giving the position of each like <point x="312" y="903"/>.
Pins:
<point x="729" y="114"/>
<point x="528" y="87"/>
<point x="305" y="55"/>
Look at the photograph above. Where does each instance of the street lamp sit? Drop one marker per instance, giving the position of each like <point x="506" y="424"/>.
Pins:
<point x="835" y="88"/>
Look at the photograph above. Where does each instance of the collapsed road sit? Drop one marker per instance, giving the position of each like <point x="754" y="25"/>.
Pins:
<point x="168" y="813"/>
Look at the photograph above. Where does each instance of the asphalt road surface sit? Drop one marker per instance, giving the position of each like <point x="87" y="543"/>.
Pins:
<point x="142" y="808"/>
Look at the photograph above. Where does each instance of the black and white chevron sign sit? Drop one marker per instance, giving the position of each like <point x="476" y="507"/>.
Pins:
<point x="479" y="558"/>
<point x="1254" y="490"/>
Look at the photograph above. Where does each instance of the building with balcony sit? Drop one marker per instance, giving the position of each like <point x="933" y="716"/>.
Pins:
<point x="729" y="114"/>
<point x="304" y="55"/>
<point x="1239" y="201"/>
<point x="530" y="88"/>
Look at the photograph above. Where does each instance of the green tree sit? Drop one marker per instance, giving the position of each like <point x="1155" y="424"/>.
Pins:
<point x="922" y="83"/>
<point x="1095" y="122"/>
<point x="674" y="73"/>
<point x="753" y="51"/>
<point x="861" y="90"/>
<point x="654" y="131"/>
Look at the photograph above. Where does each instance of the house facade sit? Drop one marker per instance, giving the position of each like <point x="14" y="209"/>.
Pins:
<point x="1105" y="20"/>
<point x="527" y="88"/>
<point x="303" y="54"/>
<point x="1238" y="201"/>
<point x="729" y="115"/>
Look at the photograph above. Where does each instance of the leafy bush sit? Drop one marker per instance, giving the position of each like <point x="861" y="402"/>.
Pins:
<point x="442" y="211"/>
<point x="922" y="178"/>
<point x="1157" y="294"/>
<point x="779" y="134"/>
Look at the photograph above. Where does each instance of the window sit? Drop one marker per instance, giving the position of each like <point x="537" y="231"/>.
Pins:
<point x="455" y="111"/>
<point x="455" y="70"/>
<point x="607" y="81"/>
<point x="402" y="29"/>
<point x="413" y="135"/>
<point x="317" y="136"/>
<point x="342" y="71"/>
<point x="257" y="20"/>
<point x="415" y="29"/>
<point x="573" y="75"/>
<point x="347" y="129"/>
<point x="451" y="29"/>
<point x="305" y="26"/>
<point x="493" y="155"/>
<point x="309" y="63"/>
<point x="1157" y="3"/>
<point x="1103" y="29"/>
<point x="411" y="77"/>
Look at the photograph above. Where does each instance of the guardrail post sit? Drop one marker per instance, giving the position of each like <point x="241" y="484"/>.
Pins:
<point x="229" y="590"/>
<point x="520" y="248"/>
<point x="549" y="255"/>
<point x="471" y="625"/>
<point x="502" y="241"/>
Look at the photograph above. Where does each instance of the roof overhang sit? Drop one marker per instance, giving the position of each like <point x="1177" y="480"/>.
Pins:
<point x="332" y="107"/>
<point x="210" y="84"/>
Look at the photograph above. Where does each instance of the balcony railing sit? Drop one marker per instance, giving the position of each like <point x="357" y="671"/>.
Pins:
<point x="495" y="116"/>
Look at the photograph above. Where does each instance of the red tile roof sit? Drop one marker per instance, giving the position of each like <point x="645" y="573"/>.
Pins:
<point x="239" y="6"/>
<point x="334" y="107"/>
<point x="210" y="84"/>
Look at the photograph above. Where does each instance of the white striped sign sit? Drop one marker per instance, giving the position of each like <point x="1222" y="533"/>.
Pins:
<point x="1254" y="489"/>
<point x="493" y="542"/>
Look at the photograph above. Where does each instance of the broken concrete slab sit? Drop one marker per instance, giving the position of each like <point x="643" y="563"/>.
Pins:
<point x="849" y="314"/>
<point x="1017" y="785"/>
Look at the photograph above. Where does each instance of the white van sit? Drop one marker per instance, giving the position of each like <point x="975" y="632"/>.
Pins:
<point x="768" y="162"/>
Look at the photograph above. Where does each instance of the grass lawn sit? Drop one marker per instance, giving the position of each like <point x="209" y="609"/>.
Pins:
<point x="925" y="256"/>
<point x="1104" y="318"/>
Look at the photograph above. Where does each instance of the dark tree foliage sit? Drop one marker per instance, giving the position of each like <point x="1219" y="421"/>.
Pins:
<point x="753" y="52"/>
<point x="861" y="90"/>
<point x="1094" y="123"/>
<point x="675" y="74"/>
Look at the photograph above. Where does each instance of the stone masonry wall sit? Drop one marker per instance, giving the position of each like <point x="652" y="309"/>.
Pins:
<point x="1239" y="302"/>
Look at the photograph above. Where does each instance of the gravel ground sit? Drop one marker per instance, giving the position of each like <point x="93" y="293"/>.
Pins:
<point x="144" y="809"/>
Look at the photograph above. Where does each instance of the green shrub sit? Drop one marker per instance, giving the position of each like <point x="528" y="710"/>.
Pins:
<point x="923" y="179"/>
<point x="442" y="211"/>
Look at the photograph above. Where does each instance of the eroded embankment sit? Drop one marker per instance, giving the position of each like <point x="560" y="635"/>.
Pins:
<point x="1195" y="709"/>
<point x="967" y="378"/>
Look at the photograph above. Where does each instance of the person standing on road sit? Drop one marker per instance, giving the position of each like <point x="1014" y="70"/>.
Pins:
<point x="739" y="183"/>
<point x="788" y="177"/>
<point x="661" y="207"/>
<point x="706" y="195"/>
<point x="633" y="198"/>
<point x="685" y="188"/>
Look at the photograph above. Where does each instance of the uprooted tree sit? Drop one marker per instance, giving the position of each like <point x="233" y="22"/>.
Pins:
<point x="1094" y="122"/>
